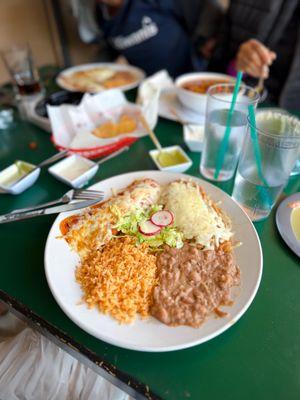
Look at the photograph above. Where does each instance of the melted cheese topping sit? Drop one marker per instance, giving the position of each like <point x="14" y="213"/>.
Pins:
<point x="195" y="214"/>
<point x="93" y="228"/>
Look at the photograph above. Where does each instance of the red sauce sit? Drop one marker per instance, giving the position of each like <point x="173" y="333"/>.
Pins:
<point x="66" y="224"/>
<point x="202" y="86"/>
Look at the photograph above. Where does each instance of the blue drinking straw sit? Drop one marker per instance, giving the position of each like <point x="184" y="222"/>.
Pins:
<point x="225" y="140"/>
<point x="257" y="155"/>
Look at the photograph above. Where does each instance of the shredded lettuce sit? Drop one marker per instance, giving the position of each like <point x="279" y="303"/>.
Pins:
<point x="129" y="225"/>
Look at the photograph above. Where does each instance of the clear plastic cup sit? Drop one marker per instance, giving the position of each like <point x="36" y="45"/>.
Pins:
<point x="266" y="111"/>
<point x="278" y="135"/>
<point x="296" y="170"/>
<point x="217" y="108"/>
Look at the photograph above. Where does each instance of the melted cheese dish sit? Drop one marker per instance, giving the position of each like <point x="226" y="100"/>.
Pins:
<point x="97" y="79"/>
<point x="94" y="227"/>
<point x="196" y="215"/>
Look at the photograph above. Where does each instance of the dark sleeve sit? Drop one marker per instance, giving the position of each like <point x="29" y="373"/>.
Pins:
<point x="290" y="94"/>
<point x="222" y="54"/>
<point x="107" y="52"/>
<point x="202" y="18"/>
<point x="189" y="11"/>
<point x="210" y="22"/>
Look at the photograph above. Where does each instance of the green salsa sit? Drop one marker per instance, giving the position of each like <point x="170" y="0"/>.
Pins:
<point x="169" y="158"/>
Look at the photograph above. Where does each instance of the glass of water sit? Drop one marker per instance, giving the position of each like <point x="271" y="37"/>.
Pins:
<point x="217" y="109"/>
<point x="278" y="137"/>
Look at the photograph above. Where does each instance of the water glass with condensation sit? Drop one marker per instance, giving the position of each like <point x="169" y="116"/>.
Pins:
<point x="278" y="136"/>
<point x="217" y="109"/>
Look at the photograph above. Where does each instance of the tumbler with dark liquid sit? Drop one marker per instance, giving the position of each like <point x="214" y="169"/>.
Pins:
<point x="20" y="65"/>
<point x="28" y="88"/>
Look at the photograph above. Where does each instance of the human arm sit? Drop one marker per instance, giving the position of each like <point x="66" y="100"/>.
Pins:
<point x="254" y="58"/>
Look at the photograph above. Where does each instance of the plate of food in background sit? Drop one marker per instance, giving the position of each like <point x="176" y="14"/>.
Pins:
<point x="185" y="101"/>
<point x="172" y="109"/>
<point x="97" y="77"/>
<point x="166" y="262"/>
<point x="288" y="222"/>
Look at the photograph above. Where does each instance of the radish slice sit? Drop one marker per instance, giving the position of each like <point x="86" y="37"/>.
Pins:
<point x="149" y="229"/>
<point x="162" y="218"/>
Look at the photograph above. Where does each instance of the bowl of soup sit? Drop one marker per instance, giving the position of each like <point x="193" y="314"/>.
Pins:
<point x="192" y="88"/>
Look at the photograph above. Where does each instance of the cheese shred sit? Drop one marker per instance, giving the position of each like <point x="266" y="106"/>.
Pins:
<point x="196" y="215"/>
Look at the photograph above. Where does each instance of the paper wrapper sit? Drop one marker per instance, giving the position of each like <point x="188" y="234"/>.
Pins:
<point x="149" y="92"/>
<point x="72" y="126"/>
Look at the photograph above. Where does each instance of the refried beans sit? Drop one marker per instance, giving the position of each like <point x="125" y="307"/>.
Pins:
<point x="193" y="283"/>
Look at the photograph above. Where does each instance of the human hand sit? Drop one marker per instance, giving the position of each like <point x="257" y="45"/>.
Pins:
<point x="121" y="60"/>
<point x="254" y="58"/>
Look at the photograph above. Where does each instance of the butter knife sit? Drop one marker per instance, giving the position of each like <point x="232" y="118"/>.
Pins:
<point x="45" y="211"/>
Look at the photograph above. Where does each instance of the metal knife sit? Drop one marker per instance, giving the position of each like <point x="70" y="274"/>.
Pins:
<point x="51" y="210"/>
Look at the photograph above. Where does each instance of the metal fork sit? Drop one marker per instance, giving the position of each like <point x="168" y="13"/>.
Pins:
<point x="260" y="86"/>
<point x="74" y="194"/>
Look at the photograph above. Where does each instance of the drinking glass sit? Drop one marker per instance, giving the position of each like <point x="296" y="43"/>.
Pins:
<point x="19" y="63"/>
<point x="217" y="109"/>
<point x="6" y="118"/>
<point x="296" y="170"/>
<point x="278" y="137"/>
<point x="263" y="113"/>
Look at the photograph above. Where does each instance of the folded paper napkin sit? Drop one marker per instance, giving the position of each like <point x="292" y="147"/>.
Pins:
<point x="149" y="92"/>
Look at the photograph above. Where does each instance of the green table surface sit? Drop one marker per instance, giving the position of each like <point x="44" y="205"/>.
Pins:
<point x="257" y="358"/>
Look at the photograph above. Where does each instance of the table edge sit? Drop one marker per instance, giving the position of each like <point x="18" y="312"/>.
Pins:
<point x="122" y="380"/>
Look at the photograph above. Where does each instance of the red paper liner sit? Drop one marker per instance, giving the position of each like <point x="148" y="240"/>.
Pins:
<point x="99" y="151"/>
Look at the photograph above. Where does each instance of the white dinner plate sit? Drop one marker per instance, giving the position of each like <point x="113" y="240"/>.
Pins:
<point x="283" y="222"/>
<point x="140" y="74"/>
<point x="150" y="334"/>
<point x="171" y="108"/>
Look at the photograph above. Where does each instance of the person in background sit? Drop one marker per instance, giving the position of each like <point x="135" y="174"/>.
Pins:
<point x="263" y="40"/>
<point x="151" y="34"/>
